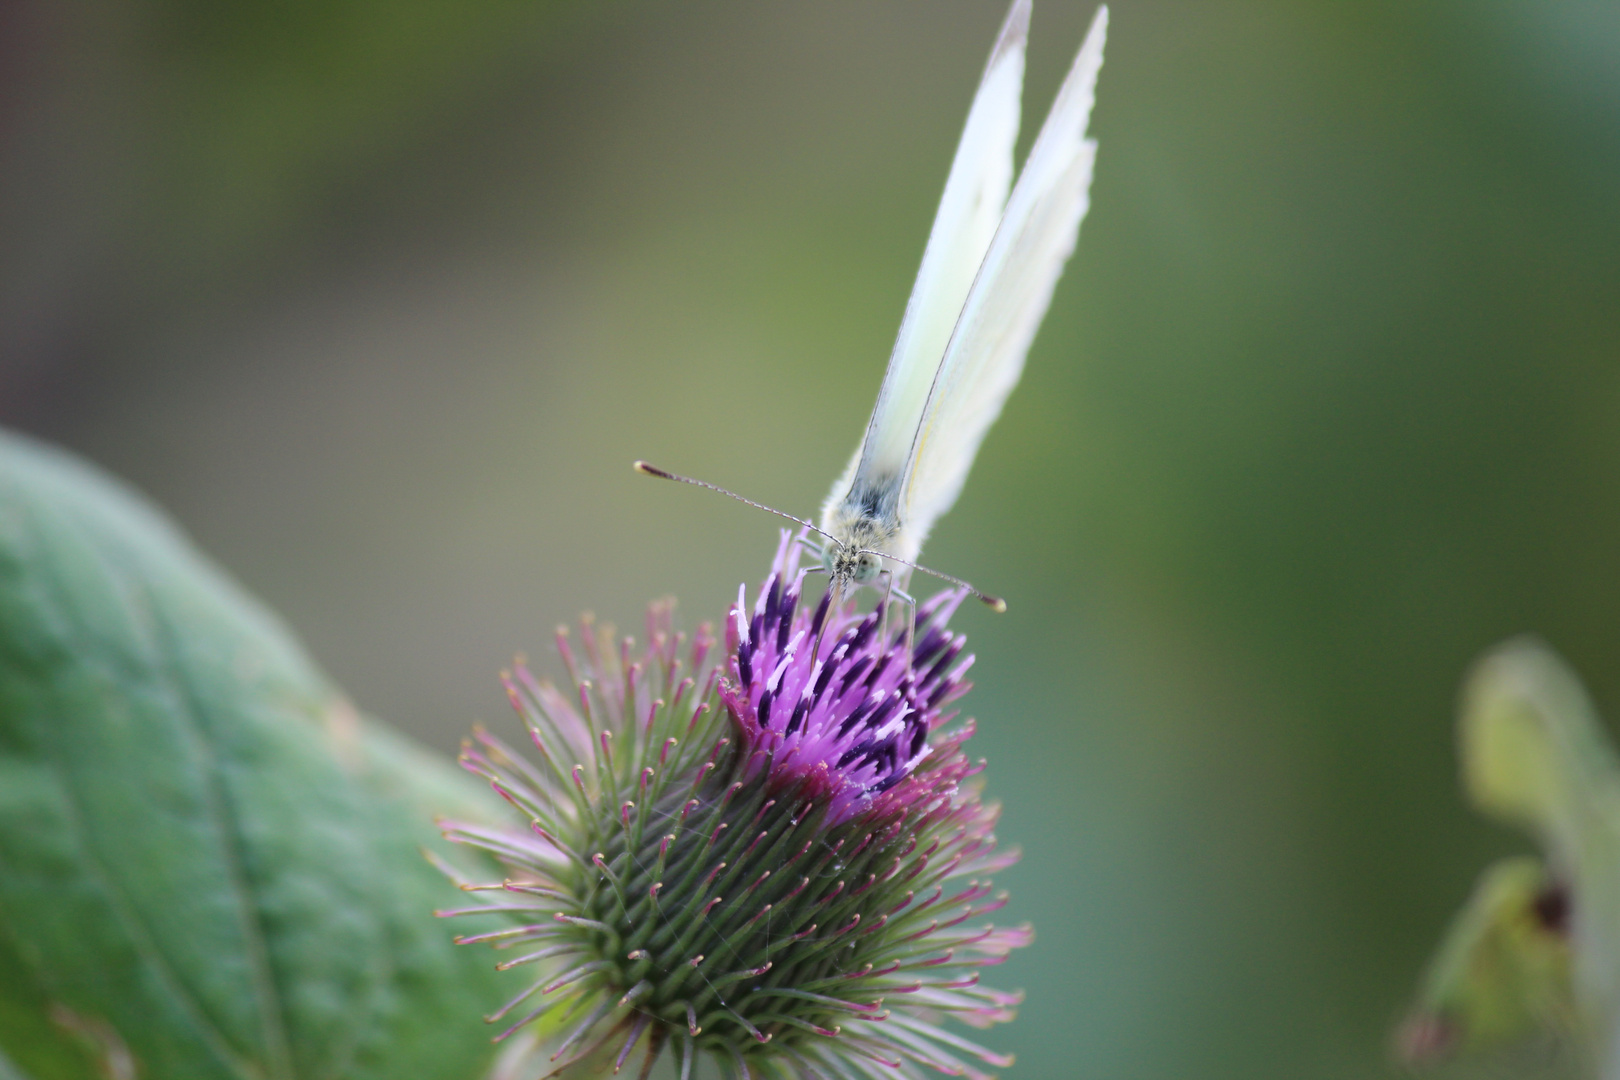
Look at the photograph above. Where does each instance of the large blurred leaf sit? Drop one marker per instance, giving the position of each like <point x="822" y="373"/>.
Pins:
<point x="208" y="861"/>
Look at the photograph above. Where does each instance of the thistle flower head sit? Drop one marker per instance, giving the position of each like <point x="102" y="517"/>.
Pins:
<point x="765" y="861"/>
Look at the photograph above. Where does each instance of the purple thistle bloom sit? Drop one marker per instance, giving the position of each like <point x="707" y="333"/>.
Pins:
<point x="852" y="723"/>
<point x="767" y="864"/>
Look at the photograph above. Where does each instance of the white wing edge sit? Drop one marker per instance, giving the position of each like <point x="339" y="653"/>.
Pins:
<point x="1009" y="298"/>
<point x="964" y="225"/>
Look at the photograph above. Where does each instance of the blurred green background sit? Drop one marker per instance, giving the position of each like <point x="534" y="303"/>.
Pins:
<point x="381" y="298"/>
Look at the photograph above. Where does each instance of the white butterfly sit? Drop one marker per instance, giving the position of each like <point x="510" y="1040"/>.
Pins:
<point x="986" y="279"/>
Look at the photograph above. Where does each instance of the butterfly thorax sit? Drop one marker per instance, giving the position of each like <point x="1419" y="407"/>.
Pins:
<point x="857" y="535"/>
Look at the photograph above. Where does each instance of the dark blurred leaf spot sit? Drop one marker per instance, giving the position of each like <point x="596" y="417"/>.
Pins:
<point x="1551" y="908"/>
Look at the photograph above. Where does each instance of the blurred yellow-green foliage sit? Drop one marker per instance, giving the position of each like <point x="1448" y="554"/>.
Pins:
<point x="381" y="299"/>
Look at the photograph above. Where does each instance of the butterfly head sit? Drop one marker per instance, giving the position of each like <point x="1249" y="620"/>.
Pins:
<point x="846" y="562"/>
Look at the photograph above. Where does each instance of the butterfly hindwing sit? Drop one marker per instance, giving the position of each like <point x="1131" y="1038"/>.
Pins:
<point x="1009" y="297"/>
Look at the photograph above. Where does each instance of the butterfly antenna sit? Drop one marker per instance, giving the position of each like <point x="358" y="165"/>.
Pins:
<point x="648" y="469"/>
<point x="994" y="603"/>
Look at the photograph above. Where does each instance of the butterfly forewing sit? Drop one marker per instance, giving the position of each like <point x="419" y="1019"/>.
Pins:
<point x="964" y="226"/>
<point x="1008" y="298"/>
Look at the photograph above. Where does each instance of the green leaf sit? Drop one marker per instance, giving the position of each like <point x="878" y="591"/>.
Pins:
<point x="1535" y="755"/>
<point x="1501" y="978"/>
<point x="1532" y="963"/>
<point x="209" y="863"/>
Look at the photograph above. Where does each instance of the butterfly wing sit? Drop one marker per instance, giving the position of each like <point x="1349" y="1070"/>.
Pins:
<point x="969" y="210"/>
<point x="1008" y="298"/>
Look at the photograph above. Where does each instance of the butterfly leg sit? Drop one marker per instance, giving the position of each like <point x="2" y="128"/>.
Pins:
<point x="888" y="593"/>
<point x="911" y="621"/>
<point x="817" y="549"/>
<point x="893" y="593"/>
